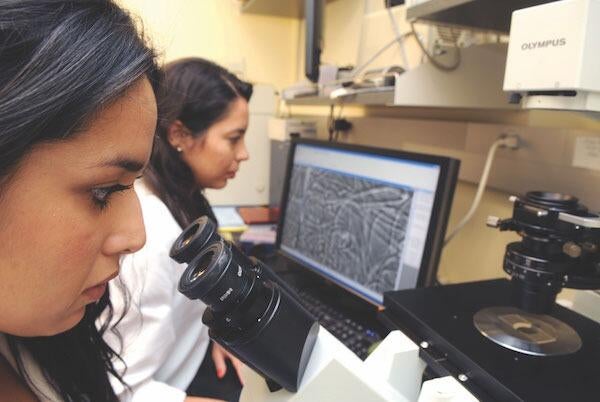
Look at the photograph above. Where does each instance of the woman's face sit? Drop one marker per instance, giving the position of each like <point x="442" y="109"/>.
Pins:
<point x="215" y="157"/>
<point x="68" y="213"/>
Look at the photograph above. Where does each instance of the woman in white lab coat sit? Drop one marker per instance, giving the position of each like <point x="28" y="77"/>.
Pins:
<point x="200" y="144"/>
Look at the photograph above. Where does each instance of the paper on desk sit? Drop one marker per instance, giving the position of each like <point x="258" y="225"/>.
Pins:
<point x="228" y="217"/>
<point x="260" y="234"/>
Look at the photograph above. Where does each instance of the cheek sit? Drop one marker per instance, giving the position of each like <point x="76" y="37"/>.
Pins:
<point x="48" y="255"/>
<point x="211" y="161"/>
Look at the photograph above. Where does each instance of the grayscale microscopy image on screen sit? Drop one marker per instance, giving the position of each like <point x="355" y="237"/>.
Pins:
<point x="349" y="224"/>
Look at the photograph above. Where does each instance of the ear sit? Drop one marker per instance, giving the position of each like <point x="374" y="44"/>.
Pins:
<point x="178" y="135"/>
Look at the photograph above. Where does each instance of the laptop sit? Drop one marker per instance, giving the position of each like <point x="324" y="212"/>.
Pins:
<point x="356" y="222"/>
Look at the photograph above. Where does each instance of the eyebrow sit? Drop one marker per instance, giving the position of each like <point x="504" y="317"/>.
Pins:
<point x="131" y="165"/>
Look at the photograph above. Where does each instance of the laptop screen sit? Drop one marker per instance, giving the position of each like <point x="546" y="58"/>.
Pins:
<point x="359" y="217"/>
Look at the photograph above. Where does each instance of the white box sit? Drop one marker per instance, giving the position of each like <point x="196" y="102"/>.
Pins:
<point x="556" y="47"/>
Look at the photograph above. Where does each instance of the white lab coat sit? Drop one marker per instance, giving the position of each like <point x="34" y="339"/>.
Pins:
<point x="163" y="338"/>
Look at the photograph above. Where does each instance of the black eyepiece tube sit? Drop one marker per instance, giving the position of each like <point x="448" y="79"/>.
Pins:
<point x="247" y="312"/>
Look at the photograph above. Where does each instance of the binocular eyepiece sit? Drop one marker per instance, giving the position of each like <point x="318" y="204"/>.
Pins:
<point x="250" y="312"/>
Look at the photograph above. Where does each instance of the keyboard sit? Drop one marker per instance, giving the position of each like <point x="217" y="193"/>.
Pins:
<point x="352" y="334"/>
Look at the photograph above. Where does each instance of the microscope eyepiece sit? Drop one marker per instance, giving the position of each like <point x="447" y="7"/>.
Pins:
<point x="197" y="235"/>
<point x="215" y="278"/>
<point x="249" y="309"/>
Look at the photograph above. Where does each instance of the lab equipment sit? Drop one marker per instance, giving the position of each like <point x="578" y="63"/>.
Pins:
<point x="248" y="312"/>
<point x="509" y="340"/>
<point x="553" y="59"/>
<point x="560" y="247"/>
<point x="440" y="320"/>
<point x="255" y="316"/>
<point x="367" y="219"/>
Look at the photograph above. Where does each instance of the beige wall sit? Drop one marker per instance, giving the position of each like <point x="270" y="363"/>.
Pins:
<point x="263" y="47"/>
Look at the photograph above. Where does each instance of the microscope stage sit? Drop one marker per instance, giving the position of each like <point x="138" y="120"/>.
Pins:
<point x="443" y="318"/>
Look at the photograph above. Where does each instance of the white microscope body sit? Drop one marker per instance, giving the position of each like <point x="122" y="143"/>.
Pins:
<point x="392" y="372"/>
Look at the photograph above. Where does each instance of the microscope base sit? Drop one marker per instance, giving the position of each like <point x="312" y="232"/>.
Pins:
<point x="391" y="373"/>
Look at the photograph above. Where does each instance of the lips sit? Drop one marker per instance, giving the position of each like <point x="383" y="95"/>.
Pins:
<point x="95" y="292"/>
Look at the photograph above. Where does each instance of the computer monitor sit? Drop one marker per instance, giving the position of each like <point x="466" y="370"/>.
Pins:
<point x="370" y="220"/>
<point x="313" y="14"/>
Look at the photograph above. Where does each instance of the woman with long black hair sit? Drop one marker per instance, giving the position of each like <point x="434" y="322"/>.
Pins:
<point x="77" y="119"/>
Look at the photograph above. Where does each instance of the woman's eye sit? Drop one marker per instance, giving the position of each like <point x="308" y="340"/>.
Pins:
<point x="101" y="195"/>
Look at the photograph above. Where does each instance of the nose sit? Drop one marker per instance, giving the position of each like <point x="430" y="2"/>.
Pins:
<point x="128" y="234"/>
<point x="242" y="154"/>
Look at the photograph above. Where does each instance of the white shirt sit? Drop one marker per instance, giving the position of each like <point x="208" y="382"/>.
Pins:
<point x="163" y="338"/>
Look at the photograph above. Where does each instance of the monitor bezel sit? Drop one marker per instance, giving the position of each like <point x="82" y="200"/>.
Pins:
<point x="439" y="215"/>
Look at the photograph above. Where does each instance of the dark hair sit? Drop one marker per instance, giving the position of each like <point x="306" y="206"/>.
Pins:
<point x="62" y="61"/>
<point x="198" y="93"/>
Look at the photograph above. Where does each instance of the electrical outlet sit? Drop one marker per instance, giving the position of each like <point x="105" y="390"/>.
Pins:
<point x="536" y="144"/>
<point x="587" y="153"/>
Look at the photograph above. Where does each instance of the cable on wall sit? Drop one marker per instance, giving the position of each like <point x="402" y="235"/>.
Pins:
<point x="504" y="141"/>
<point x="432" y="58"/>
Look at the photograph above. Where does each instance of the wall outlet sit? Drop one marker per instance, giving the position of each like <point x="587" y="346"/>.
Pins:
<point x="587" y="153"/>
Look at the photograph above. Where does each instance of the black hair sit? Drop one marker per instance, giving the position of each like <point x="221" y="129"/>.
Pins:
<point x="61" y="62"/>
<point x="198" y="93"/>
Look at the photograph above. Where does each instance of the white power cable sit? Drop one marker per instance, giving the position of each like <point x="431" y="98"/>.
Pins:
<point x="512" y="142"/>
<point x="399" y="39"/>
<point x="358" y="69"/>
<point x="431" y="58"/>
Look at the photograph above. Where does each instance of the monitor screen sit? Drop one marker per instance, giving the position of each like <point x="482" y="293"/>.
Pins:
<point x="359" y="217"/>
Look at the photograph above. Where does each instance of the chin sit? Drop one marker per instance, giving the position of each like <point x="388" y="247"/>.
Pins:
<point x="219" y="185"/>
<point x="69" y="322"/>
<point x="49" y="326"/>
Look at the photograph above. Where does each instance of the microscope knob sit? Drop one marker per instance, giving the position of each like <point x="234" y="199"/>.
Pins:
<point x="492" y="221"/>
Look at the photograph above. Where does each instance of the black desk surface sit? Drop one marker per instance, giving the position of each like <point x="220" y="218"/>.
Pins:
<point x="443" y="316"/>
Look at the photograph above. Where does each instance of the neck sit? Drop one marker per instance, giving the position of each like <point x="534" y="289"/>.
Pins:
<point x="12" y="387"/>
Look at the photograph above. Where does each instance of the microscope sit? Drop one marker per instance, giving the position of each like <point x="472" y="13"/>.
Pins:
<point x="255" y="315"/>
<point x="560" y="248"/>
